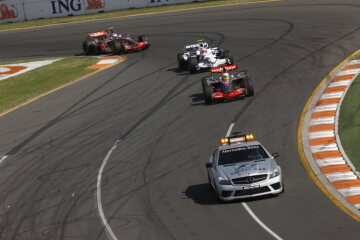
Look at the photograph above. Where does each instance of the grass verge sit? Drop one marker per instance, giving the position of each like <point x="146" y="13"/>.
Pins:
<point x="122" y="13"/>
<point x="17" y="90"/>
<point x="349" y="123"/>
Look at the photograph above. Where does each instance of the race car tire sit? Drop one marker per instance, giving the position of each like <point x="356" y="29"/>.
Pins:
<point x="193" y="62"/>
<point x="143" y="38"/>
<point x="89" y="47"/>
<point x="181" y="61"/>
<point x="116" y="47"/>
<point x="248" y="87"/>
<point x="226" y="54"/>
<point x="207" y="91"/>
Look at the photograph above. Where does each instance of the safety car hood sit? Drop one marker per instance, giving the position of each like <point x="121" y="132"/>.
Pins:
<point x="245" y="169"/>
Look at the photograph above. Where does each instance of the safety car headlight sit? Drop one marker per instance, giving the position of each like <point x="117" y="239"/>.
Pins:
<point x="275" y="173"/>
<point x="223" y="181"/>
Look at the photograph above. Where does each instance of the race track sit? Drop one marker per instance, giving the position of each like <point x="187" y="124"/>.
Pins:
<point x="154" y="184"/>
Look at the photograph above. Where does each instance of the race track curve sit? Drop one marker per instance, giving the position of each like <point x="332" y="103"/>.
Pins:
<point x="154" y="185"/>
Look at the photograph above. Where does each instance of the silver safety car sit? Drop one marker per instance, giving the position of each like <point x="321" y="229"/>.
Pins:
<point x="241" y="168"/>
<point x="198" y="56"/>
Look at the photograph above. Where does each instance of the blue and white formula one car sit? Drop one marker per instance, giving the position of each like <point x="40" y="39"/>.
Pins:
<point x="200" y="56"/>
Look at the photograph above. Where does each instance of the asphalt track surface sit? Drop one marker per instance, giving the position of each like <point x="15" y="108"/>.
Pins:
<point x="154" y="185"/>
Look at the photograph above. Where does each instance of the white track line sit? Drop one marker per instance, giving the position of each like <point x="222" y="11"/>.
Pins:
<point x="230" y="129"/>
<point x="3" y="158"/>
<point x="252" y="214"/>
<point x="109" y="232"/>
<point x="248" y="209"/>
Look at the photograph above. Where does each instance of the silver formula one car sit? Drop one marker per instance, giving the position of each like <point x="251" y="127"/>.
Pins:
<point x="243" y="168"/>
<point x="200" y="56"/>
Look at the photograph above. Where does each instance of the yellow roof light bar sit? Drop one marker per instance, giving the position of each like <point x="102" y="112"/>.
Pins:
<point x="224" y="141"/>
<point x="241" y="138"/>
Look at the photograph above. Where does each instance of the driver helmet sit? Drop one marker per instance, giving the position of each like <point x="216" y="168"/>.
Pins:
<point x="114" y="35"/>
<point x="204" y="45"/>
<point x="226" y="77"/>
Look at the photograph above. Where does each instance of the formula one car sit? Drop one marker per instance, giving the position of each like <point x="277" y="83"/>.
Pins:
<point x="227" y="83"/>
<point x="241" y="168"/>
<point x="196" y="57"/>
<point x="109" y="42"/>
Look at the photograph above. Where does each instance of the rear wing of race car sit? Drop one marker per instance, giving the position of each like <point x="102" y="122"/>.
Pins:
<point x="191" y="46"/>
<point x="98" y="34"/>
<point x="221" y="69"/>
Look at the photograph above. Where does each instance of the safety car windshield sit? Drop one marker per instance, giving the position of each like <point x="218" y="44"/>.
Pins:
<point x="242" y="154"/>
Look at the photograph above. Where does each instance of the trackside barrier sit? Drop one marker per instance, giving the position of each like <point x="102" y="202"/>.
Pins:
<point x="22" y="10"/>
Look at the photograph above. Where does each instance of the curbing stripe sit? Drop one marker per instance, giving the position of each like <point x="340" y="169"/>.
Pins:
<point x="338" y="88"/>
<point x="332" y="95"/>
<point x="328" y="101"/>
<point x="346" y="184"/>
<point x="321" y="127"/>
<point x="326" y="154"/>
<point x="346" y="192"/>
<point x="323" y="108"/>
<point x="324" y="114"/>
<point x="352" y="67"/>
<point x="343" y="77"/>
<point x="320" y="139"/>
<point x="321" y="134"/>
<point x="330" y="161"/>
<point x="330" y="120"/>
<point x="122" y="59"/>
<point x="335" y="168"/>
<point x="339" y="83"/>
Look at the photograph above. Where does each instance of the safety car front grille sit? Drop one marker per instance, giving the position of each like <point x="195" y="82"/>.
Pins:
<point x="250" y="179"/>
<point x="252" y="191"/>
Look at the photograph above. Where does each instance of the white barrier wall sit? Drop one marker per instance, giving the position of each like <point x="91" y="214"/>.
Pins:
<point x="21" y="10"/>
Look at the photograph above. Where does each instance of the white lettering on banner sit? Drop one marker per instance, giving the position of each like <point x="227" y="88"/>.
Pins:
<point x="68" y="5"/>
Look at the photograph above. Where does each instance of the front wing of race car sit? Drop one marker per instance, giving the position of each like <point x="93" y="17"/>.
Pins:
<point x="217" y="63"/>
<point x="237" y="93"/>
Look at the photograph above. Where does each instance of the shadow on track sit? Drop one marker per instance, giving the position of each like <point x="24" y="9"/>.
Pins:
<point x="202" y="194"/>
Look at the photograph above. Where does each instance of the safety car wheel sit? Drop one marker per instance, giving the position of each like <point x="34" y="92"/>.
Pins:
<point x="193" y="62"/>
<point x="248" y="87"/>
<point x="207" y="91"/>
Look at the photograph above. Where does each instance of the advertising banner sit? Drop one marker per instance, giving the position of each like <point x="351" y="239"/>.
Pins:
<point x="11" y="11"/>
<point x="20" y="10"/>
<point x="35" y="9"/>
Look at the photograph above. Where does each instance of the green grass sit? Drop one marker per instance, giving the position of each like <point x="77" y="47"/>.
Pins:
<point x="349" y="123"/>
<point x="19" y="89"/>
<point x="119" y="13"/>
